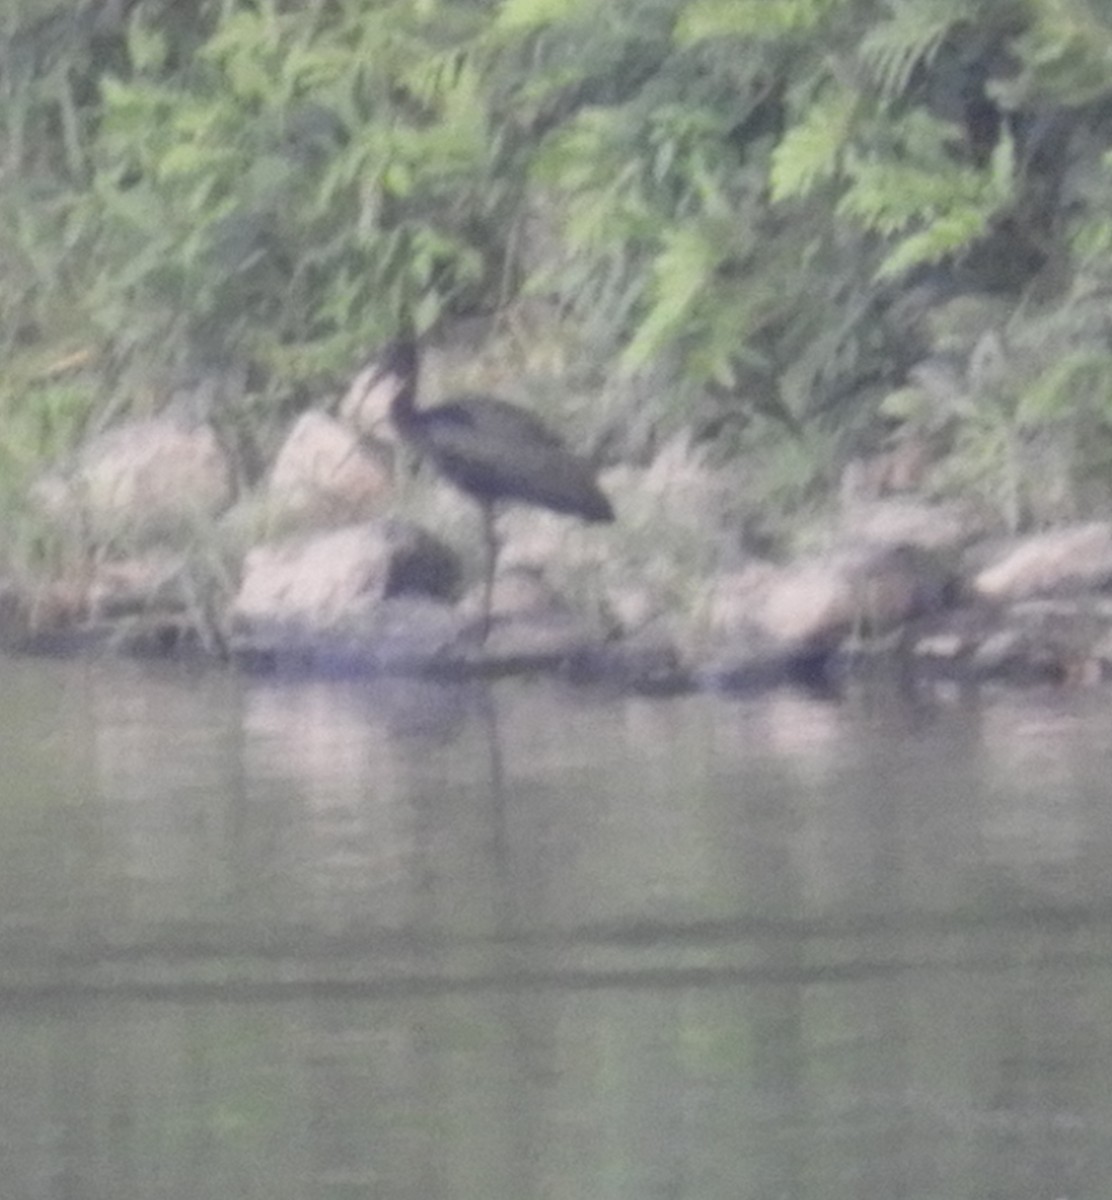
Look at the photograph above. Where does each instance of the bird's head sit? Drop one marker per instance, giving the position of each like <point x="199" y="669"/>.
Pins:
<point x="387" y="380"/>
<point x="398" y="360"/>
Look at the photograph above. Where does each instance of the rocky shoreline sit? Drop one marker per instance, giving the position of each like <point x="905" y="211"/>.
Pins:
<point x="349" y="590"/>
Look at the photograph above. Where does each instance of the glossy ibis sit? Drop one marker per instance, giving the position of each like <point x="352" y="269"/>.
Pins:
<point x="493" y="451"/>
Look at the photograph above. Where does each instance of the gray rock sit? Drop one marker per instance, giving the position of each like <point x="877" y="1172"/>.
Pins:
<point x="901" y="521"/>
<point x="1060" y="562"/>
<point x="135" y="585"/>
<point x="768" y="621"/>
<point x="323" y="472"/>
<point x="325" y="581"/>
<point x="140" y="480"/>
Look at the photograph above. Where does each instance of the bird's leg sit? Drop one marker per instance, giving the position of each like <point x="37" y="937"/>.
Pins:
<point x="490" y="543"/>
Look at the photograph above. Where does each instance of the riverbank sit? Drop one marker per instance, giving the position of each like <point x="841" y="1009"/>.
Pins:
<point x="315" y="571"/>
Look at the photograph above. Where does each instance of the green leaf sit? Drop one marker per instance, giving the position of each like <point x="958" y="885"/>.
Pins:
<point x="946" y="236"/>
<point x="893" y="49"/>
<point x="681" y="273"/>
<point x="1080" y="376"/>
<point x="522" y="15"/>
<point x="810" y="151"/>
<point x="147" y="47"/>
<point x="710" y="20"/>
<point x="1062" y="57"/>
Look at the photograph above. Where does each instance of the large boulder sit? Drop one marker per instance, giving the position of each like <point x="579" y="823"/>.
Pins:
<point x="1060" y="562"/>
<point x="323" y="581"/>
<point x="379" y="597"/>
<point x="905" y="521"/>
<point x="141" y="480"/>
<point x="766" y="620"/>
<point x="156" y="581"/>
<point x="325" y="473"/>
<point x="813" y="604"/>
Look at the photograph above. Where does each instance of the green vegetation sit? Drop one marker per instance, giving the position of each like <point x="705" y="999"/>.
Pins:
<point x="761" y="206"/>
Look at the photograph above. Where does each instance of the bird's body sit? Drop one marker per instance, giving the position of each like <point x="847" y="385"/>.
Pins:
<point x="493" y="451"/>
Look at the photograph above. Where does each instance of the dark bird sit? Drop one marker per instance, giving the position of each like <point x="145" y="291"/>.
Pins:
<point x="493" y="451"/>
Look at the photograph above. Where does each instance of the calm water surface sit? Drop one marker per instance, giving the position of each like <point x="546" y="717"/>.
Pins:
<point x="342" y="941"/>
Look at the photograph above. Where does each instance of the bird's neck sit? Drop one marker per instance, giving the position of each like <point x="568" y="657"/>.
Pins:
<point x="403" y="407"/>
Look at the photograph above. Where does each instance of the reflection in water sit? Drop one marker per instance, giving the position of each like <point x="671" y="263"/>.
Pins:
<point x="298" y="939"/>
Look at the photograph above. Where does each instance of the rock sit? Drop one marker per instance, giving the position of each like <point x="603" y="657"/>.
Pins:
<point x="1049" y="640"/>
<point x="518" y="593"/>
<point x="325" y="581"/>
<point x="1035" y="641"/>
<point x="135" y="585"/>
<point x="1102" y="652"/>
<point x="808" y="607"/>
<point x="631" y="606"/>
<point x="411" y="634"/>
<point x="366" y="406"/>
<point x="768" y="622"/>
<point x="869" y="589"/>
<point x="735" y="597"/>
<point x="534" y="537"/>
<point x="905" y="522"/>
<point x="1061" y="562"/>
<point x="143" y="480"/>
<point x="750" y="662"/>
<point x="324" y="473"/>
<point x="545" y="639"/>
<point x="895" y="584"/>
<point x="648" y="662"/>
<point x="43" y="615"/>
<point x="532" y="625"/>
<point x="901" y="467"/>
<point x="1002" y="649"/>
<point x="945" y="647"/>
<point x="762" y="621"/>
<point x="1063" y="641"/>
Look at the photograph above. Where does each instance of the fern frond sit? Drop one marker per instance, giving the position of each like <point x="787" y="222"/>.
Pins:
<point x="892" y="50"/>
<point x="1063" y="57"/>
<point x="1080" y="376"/>
<point x="887" y="197"/>
<point x="937" y="206"/>
<point x="681" y="274"/>
<point x="707" y="20"/>
<point x="943" y="237"/>
<point x="523" y="15"/>
<point x="809" y="152"/>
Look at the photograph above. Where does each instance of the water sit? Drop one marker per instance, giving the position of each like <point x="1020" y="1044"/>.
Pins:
<point x="286" y="940"/>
